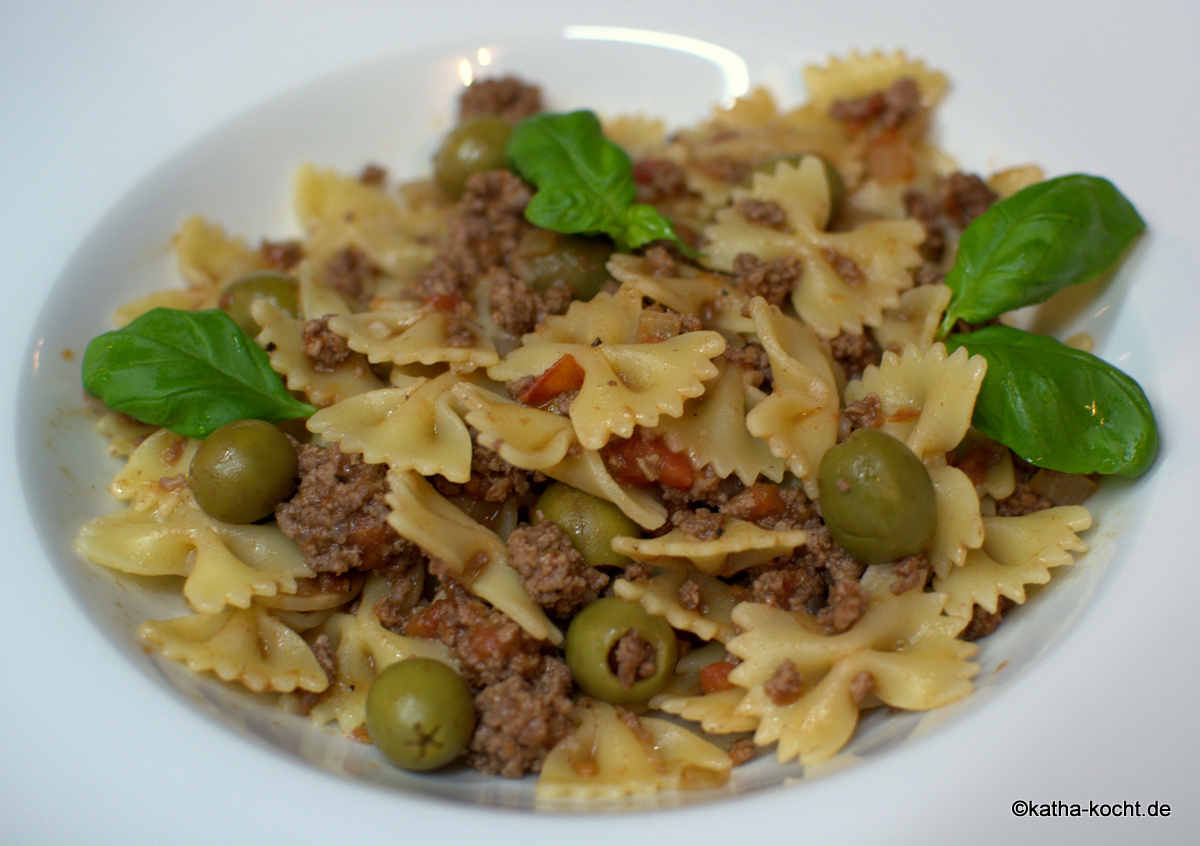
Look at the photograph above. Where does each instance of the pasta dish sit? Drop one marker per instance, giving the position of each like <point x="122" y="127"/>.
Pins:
<point x="615" y="454"/>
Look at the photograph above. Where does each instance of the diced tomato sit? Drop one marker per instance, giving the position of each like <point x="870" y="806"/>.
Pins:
<point x="714" y="677"/>
<point x="445" y="303"/>
<point x="561" y="376"/>
<point x="638" y="462"/>
<point x="764" y="500"/>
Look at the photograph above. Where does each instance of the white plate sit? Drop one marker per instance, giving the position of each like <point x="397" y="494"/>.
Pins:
<point x="1059" y="711"/>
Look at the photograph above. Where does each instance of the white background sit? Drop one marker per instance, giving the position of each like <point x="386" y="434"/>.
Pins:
<point x="94" y="95"/>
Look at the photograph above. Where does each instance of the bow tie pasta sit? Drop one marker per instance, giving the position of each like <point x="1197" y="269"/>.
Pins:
<point x="511" y="423"/>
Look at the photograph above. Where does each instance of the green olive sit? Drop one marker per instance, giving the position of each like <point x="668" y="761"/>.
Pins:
<point x="243" y="470"/>
<point x="543" y="257"/>
<point x="420" y="714"/>
<point x="589" y="521"/>
<point x="240" y="294"/>
<point x="876" y="497"/>
<point x="594" y="633"/>
<point x="837" y="186"/>
<point x="471" y="147"/>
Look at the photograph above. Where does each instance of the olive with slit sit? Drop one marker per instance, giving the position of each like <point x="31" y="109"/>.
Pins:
<point x="593" y="635"/>
<point x="589" y="521"/>
<point x="420" y="714"/>
<point x="278" y="288"/>
<point x="543" y="257"/>
<point x="243" y="470"/>
<point x="877" y="498"/>
<point x="474" y="146"/>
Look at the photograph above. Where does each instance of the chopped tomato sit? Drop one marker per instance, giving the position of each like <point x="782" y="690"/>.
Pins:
<point x="763" y="501"/>
<point x="561" y="376"/>
<point x="639" y="462"/>
<point x="714" y="677"/>
<point x="445" y="303"/>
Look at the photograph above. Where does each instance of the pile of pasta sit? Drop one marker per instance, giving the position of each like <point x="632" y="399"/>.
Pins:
<point x="249" y="620"/>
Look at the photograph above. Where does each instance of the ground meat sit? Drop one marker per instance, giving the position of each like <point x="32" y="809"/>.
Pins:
<point x="691" y="598"/>
<point x="492" y="478"/>
<point x="793" y="588"/>
<point x="489" y="646"/>
<point x="742" y="751"/>
<point x="520" y="721"/>
<point x="864" y="413"/>
<point x="965" y="197"/>
<point x="517" y="307"/>
<point x="633" y="658"/>
<point x="636" y="571"/>
<point x="890" y="108"/>
<point x="552" y="570"/>
<point x="922" y="208"/>
<point x="774" y="281"/>
<point x="337" y="516"/>
<point x="406" y="581"/>
<point x="763" y="213"/>
<point x="506" y="97"/>
<point x="983" y="622"/>
<point x="825" y="554"/>
<point x="326" y="657"/>
<point x="785" y="685"/>
<point x="282" y="255"/>
<point x="846" y="603"/>
<point x="1024" y="499"/>
<point x="928" y="274"/>
<point x="702" y="523"/>
<point x="855" y="352"/>
<point x="373" y="174"/>
<point x="845" y="267"/>
<point x="659" y="180"/>
<point x="482" y="234"/>
<point x="910" y="571"/>
<point x="707" y="489"/>
<point x="352" y="272"/>
<point x="660" y="263"/>
<point x="785" y="508"/>
<point x="326" y="348"/>
<point x="752" y="359"/>
<point x="861" y="686"/>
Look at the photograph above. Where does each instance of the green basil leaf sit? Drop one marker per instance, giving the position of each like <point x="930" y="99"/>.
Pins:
<point x="190" y="371"/>
<point x="1035" y="243"/>
<point x="584" y="181"/>
<point x="1060" y="407"/>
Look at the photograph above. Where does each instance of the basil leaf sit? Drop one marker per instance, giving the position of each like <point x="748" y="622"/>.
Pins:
<point x="584" y="181"/>
<point x="1035" y="243"/>
<point x="1060" y="407"/>
<point x="190" y="371"/>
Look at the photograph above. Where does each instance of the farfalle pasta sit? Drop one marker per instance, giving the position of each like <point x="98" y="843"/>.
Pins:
<point x="500" y="438"/>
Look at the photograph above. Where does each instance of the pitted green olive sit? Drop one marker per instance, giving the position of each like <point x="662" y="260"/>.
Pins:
<point x="420" y="714"/>
<point x="472" y="147"/>
<point x="242" y="471"/>
<point x="593" y="636"/>
<point x="240" y="294"/>
<point x="543" y="257"/>
<point x="877" y="498"/>
<point x="590" y="522"/>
